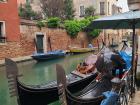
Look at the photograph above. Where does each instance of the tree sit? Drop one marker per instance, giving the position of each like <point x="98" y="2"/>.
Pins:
<point x="52" y="8"/>
<point x="90" y="11"/>
<point x="69" y="11"/>
<point x="26" y="12"/>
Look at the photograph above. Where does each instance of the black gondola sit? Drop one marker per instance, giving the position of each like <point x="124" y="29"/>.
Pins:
<point x="43" y="94"/>
<point x="49" y="55"/>
<point x="92" y="94"/>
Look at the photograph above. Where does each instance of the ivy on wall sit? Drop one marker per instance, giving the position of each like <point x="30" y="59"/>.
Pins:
<point x="73" y="27"/>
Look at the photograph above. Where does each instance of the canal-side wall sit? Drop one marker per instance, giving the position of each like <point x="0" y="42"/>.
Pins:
<point x="26" y="45"/>
<point x="58" y="37"/>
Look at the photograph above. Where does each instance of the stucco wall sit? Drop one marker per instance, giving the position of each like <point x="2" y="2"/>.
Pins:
<point x="95" y="4"/>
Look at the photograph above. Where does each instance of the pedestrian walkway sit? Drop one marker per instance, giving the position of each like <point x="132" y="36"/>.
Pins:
<point x="18" y="59"/>
<point x="136" y="99"/>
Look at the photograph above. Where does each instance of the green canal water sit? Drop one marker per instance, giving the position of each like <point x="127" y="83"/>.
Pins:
<point x="37" y="73"/>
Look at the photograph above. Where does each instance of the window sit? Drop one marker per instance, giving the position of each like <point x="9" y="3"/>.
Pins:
<point x="102" y="8"/>
<point x="3" y="0"/>
<point x="2" y="32"/>
<point x="82" y="11"/>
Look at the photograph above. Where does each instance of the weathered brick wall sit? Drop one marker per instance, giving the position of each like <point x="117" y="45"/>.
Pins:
<point x="26" y="46"/>
<point x="10" y="49"/>
<point x="9" y="14"/>
<point x="58" y="37"/>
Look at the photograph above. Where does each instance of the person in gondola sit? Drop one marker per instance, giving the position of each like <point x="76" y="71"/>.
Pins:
<point x="84" y="68"/>
<point x="81" y="67"/>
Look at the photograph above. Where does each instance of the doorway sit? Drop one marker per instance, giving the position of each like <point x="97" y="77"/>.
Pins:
<point x="40" y="43"/>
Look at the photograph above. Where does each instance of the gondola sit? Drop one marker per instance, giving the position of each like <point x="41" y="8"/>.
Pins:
<point x="77" y="50"/>
<point x="92" y="94"/>
<point x="86" y="67"/>
<point x="46" y="93"/>
<point x="49" y="55"/>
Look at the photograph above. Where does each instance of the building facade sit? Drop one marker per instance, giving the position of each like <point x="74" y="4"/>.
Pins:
<point x="102" y="7"/>
<point x="17" y="41"/>
<point x="9" y="29"/>
<point x="34" y="4"/>
<point x="134" y="4"/>
<point x="9" y="21"/>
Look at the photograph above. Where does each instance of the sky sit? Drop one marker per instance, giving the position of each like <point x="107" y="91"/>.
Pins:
<point x="123" y="4"/>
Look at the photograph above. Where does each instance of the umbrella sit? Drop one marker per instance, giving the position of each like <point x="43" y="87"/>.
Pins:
<point x="127" y="20"/>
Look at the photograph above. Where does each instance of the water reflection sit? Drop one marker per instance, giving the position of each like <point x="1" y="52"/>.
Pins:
<point x="44" y="72"/>
<point x="37" y="73"/>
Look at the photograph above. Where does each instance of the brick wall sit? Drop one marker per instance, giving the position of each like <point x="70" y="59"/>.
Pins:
<point x="10" y="49"/>
<point x="26" y="46"/>
<point x="9" y="14"/>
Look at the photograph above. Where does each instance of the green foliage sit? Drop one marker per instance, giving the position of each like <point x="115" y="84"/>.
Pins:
<point x="41" y="23"/>
<point x="68" y="9"/>
<point x="89" y="11"/>
<point x="26" y="12"/>
<point x="53" y="22"/>
<point x="91" y="18"/>
<point x="94" y="33"/>
<point x="84" y="23"/>
<point x="75" y="26"/>
<point x="72" y="27"/>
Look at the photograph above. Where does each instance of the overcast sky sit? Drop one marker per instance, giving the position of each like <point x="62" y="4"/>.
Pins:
<point x="123" y="4"/>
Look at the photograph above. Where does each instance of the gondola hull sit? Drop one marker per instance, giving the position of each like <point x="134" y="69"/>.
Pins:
<point x="77" y="50"/>
<point x="48" y="56"/>
<point x="92" y="95"/>
<point x="29" y="95"/>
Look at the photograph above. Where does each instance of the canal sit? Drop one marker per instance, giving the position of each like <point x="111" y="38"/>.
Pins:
<point x="37" y="73"/>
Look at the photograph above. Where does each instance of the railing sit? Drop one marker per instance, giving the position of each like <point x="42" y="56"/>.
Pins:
<point x="2" y="39"/>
